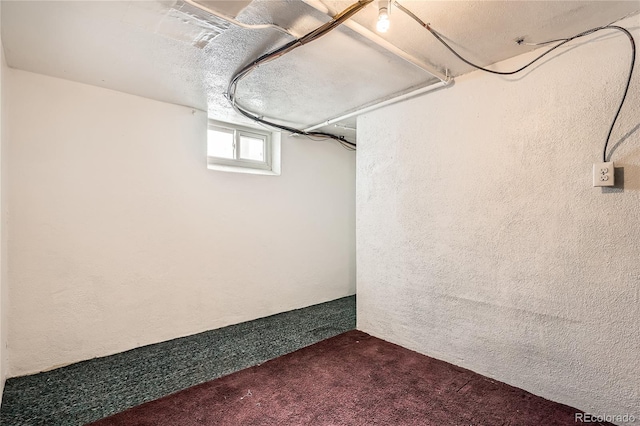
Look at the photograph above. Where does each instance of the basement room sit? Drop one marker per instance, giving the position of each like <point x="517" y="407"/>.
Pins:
<point x="319" y="212"/>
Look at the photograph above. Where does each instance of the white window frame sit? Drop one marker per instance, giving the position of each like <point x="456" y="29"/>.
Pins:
<point x="271" y="165"/>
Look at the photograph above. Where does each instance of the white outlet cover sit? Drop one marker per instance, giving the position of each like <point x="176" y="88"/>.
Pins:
<point x="603" y="174"/>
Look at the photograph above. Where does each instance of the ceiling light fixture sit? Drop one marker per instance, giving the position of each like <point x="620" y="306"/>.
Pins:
<point x="383" y="16"/>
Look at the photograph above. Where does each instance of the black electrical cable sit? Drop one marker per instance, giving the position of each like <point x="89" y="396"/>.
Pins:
<point x="286" y="48"/>
<point x="560" y="43"/>
<point x="340" y="139"/>
<point x="626" y="89"/>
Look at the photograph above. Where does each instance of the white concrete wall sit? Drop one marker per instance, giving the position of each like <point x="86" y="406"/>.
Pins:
<point x="121" y="237"/>
<point x="481" y="242"/>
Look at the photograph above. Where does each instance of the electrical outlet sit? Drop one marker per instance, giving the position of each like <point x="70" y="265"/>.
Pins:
<point x="603" y="174"/>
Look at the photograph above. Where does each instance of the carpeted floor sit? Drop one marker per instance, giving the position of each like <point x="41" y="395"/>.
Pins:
<point x="90" y="390"/>
<point x="353" y="380"/>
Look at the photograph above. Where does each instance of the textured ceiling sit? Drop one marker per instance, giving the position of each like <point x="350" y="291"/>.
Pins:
<point x="173" y="52"/>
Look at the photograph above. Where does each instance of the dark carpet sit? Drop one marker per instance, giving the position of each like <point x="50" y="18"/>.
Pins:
<point x="90" y="390"/>
<point x="351" y="379"/>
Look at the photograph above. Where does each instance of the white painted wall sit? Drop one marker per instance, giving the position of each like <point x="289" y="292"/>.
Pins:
<point x="4" y="296"/>
<point x="121" y="237"/>
<point x="481" y="242"/>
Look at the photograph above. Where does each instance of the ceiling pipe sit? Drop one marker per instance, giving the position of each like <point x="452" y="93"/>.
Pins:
<point x="318" y="5"/>
<point x="389" y="101"/>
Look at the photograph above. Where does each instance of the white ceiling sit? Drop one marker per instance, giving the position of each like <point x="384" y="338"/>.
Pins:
<point x="168" y="51"/>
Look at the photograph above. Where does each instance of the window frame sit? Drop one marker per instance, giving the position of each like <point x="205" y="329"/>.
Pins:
<point x="271" y="144"/>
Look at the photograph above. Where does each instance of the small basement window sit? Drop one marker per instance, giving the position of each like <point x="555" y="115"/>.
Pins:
<point x="234" y="148"/>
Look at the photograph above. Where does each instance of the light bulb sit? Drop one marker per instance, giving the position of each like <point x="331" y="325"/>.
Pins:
<point x="383" y="21"/>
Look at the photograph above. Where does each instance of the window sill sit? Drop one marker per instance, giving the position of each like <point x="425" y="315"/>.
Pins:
<point x="236" y="169"/>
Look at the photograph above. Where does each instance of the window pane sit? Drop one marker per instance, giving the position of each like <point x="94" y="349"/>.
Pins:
<point x="220" y="144"/>
<point x="251" y="148"/>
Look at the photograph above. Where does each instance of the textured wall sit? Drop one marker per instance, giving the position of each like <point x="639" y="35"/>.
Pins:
<point x="121" y="237"/>
<point x="480" y="240"/>
<point x="4" y="296"/>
